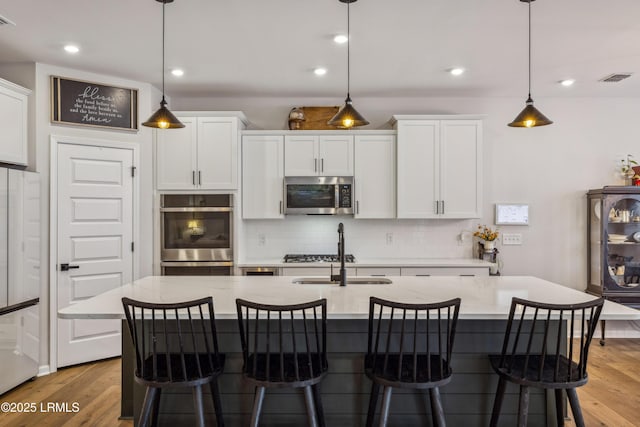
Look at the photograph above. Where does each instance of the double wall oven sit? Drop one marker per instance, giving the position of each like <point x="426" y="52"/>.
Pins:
<point x="196" y="234"/>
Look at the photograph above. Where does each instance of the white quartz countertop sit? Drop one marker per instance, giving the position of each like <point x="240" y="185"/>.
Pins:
<point x="482" y="297"/>
<point x="376" y="262"/>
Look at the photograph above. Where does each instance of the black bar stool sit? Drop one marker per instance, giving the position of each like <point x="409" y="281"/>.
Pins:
<point x="285" y="346"/>
<point x="533" y="353"/>
<point x="409" y="346"/>
<point x="171" y="352"/>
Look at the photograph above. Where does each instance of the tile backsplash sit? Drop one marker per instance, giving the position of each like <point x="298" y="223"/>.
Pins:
<point x="364" y="238"/>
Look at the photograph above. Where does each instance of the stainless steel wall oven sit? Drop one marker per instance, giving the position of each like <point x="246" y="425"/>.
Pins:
<point x="196" y="234"/>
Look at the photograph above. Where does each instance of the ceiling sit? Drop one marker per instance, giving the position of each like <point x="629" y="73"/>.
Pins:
<point x="399" y="48"/>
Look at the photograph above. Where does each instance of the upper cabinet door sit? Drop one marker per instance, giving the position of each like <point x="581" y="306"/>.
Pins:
<point x="375" y="176"/>
<point x="176" y="149"/>
<point x="13" y="122"/>
<point x="418" y="168"/>
<point x="262" y="176"/>
<point x="312" y="155"/>
<point x="301" y="155"/>
<point x="217" y="153"/>
<point x="461" y="168"/>
<point x="336" y="155"/>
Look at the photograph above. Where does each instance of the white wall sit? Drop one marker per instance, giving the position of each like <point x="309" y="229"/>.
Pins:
<point x="36" y="77"/>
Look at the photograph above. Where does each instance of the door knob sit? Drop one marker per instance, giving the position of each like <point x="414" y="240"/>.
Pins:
<point x="67" y="267"/>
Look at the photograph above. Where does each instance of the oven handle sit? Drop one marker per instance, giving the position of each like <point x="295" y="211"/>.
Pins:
<point x="197" y="264"/>
<point x="226" y="209"/>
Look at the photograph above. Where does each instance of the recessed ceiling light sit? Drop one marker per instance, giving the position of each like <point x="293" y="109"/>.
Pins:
<point x="340" y="39"/>
<point x="456" y="71"/>
<point x="71" y="48"/>
<point x="567" y="82"/>
<point x="319" y="71"/>
<point x="177" y="72"/>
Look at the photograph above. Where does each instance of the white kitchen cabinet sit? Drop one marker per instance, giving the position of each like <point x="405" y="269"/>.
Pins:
<point x="203" y="155"/>
<point x="378" y="271"/>
<point x="13" y="122"/>
<point x="439" y="167"/>
<point x="375" y="176"/>
<point x="318" y="155"/>
<point x="444" y="271"/>
<point x="262" y="176"/>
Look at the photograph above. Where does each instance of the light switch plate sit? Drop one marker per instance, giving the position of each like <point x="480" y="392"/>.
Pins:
<point x="511" y="239"/>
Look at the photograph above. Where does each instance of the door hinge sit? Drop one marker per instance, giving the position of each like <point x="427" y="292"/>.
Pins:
<point x="132" y="246"/>
<point x="133" y="171"/>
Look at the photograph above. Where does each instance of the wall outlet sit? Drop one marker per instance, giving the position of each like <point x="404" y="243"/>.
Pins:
<point x="389" y="238"/>
<point x="511" y="239"/>
<point x="262" y="240"/>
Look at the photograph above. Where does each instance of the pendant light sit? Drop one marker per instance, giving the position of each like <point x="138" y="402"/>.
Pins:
<point x="347" y="117"/>
<point x="163" y="118"/>
<point x="530" y="116"/>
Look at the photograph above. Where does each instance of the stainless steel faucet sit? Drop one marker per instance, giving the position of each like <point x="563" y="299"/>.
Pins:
<point x="342" y="276"/>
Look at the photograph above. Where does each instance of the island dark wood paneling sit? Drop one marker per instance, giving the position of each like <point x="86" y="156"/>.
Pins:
<point x="467" y="400"/>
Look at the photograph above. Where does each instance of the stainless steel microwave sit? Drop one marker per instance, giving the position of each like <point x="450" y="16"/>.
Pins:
<point x="318" y="195"/>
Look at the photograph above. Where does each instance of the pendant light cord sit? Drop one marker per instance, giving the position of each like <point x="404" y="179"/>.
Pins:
<point x="530" y="48"/>
<point x="348" y="50"/>
<point x="164" y="3"/>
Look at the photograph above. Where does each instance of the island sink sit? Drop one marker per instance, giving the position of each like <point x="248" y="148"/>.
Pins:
<point x="350" y="281"/>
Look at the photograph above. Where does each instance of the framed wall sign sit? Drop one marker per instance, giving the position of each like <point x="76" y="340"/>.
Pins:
<point x="76" y="102"/>
<point x="512" y="214"/>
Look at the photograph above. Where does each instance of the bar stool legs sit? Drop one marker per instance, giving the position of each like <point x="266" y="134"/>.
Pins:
<point x="373" y="403"/>
<point x="217" y="404"/>
<point x="257" y="406"/>
<point x="523" y="406"/>
<point x="197" y="404"/>
<point x="575" y="407"/>
<point x="497" y="403"/>
<point x="318" y="404"/>
<point x="311" y="412"/>
<point x="437" y="413"/>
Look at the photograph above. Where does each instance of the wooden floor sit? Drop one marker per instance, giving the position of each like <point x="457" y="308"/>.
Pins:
<point x="610" y="398"/>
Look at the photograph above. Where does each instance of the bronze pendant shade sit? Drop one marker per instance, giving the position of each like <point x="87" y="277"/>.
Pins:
<point x="530" y="116"/>
<point x="163" y="118"/>
<point x="347" y="117"/>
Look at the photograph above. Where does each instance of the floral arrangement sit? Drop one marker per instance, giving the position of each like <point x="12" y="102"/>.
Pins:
<point x="486" y="233"/>
<point x="627" y="168"/>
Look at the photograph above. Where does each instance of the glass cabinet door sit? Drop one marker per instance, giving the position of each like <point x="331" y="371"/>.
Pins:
<point x="622" y="233"/>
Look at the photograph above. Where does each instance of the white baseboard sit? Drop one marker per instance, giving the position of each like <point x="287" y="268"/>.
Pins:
<point x="43" y="370"/>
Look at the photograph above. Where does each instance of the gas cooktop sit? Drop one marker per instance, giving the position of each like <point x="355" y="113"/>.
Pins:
<point x="317" y="258"/>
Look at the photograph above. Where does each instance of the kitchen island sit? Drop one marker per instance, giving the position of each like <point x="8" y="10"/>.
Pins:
<point x="467" y="400"/>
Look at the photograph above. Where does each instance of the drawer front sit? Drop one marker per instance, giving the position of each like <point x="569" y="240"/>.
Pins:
<point x="315" y="271"/>
<point x="378" y="271"/>
<point x="444" y="271"/>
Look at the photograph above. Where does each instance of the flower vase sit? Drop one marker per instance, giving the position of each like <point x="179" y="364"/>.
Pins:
<point x="489" y="245"/>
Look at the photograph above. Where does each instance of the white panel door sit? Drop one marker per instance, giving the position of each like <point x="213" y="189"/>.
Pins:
<point x="301" y="155"/>
<point x="375" y="176"/>
<point x="460" y="164"/>
<point x="336" y="155"/>
<point x="176" y="162"/>
<point x="262" y="176"/>
<point x="217" y="153"/>
<point x="418" y="168"/>
<point x="95" y="229"/>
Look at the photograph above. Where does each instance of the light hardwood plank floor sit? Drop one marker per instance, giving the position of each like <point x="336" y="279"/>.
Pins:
<point x="611" y="398"/>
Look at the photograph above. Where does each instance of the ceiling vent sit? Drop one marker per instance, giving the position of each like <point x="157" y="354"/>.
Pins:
<point x="614" y="78"/>
<point x="5" y="21"/>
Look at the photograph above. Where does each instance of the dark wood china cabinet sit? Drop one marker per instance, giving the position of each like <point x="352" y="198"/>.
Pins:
<point x="613" y="250"/>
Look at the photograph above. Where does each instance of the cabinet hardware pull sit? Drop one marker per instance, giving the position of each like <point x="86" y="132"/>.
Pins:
<point x="437" y="202"/>
<point x="322" y="165"/>
<point x="199" y="177"/>
<point x="423" y="275"/>
<point x="280" y="206"/>
<point x="378" y="275"/>
<point x="315" y="165"/>
<point x="357" y="206"/>
<point x="193" y="177"/>
<point x="442" y="207"/>
<point x="467" y="275"/>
